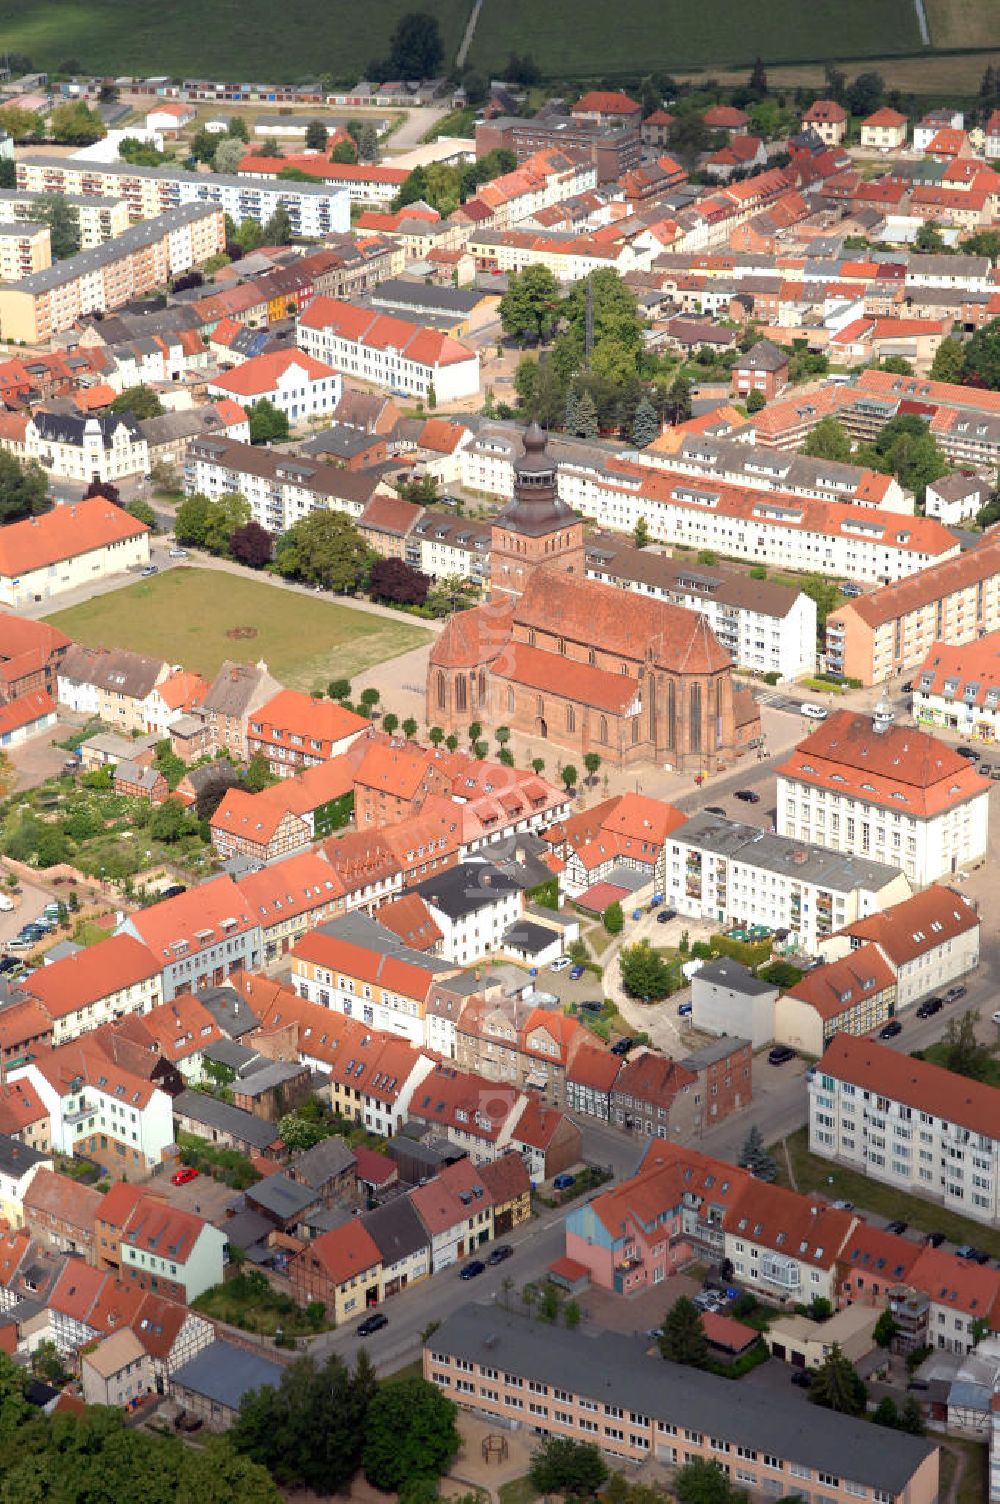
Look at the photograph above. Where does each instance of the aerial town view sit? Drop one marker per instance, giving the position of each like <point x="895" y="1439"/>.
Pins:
<point x="499" y="714"/>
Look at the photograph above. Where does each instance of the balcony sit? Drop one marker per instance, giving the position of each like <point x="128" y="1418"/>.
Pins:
<point x="86" y="1110"/>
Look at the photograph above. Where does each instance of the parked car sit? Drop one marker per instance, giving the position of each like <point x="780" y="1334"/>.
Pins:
<point x="898" y="1227"/>
<point x="984" y="770"/>
<point x="178" y="553"/>
<point x="972" y="753"/>
<point x="996" y="1016"/>
<point x="935" y="1239"/>
<point x="929" y="1007"/>
<point x="592" y="1007"/>
<point x="844" y="1206"/>
<point x="665" y="916"/>
<point x="560" y="963"/>
<point x="749" y="796"/>
<point x="185" y="1174"/>
<point x="373" y="1323"/>
<point x="501" y="1252"/>
<point x="684" y="1010"/>
<point x="563" y="1182"/>
<point x="576" y="972"/>
<point x="965" y="1251"/>
<point x="472" y="1270"/>
<point x="814" y="712"/>
<point x="891" y="1029"/>
<point x="149" y="569"/>
<point x="714" y="809"/>
<point x="801" y="1378"/>
<point x="954" y="993"/>
<point x="622" y="1046"/>
<point x="780" y="1054"/>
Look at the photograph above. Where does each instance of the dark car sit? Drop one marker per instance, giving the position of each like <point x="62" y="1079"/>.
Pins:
<point x="967" y="1251"/>
<point x="780" y="1055"/>
<point x="174" y="891"/>
<point x="898" y="1227"/>
<point x="935" y="1239"/>
<point x="984" y="770"/>
<point x="372" y="1324"/>
<point x="592" y="1007"/>
<point x="714" y="809"/>
<point x="472" y="1270"/>
<point x="972" y="753"/>
<point x="665" y="916"/>
<point x="907" y="688"/>
<point x="563" y="1182"/>
<point x="954" y="993"/>
<point x="801" y="1378"/>
<point x="749" y="796"/>
<point x="891" y="1029"/>
<point x="499" y="1253"/>
<point x="622" y="1046"/>
<point x="929" y="1007"/>
<point x="980" y="1256"/>
<point x="576" y="972"/>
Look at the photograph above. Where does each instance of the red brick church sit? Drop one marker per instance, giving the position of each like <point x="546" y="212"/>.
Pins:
<point x="581" y="664"/>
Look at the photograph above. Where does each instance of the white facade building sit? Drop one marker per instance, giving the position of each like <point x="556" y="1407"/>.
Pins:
<point x="293" y="382"/>
<point x="407" y="358"/>
<point x="473" y="905"/>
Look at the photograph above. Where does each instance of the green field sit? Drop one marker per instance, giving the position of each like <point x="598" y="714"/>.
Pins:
<point x="230" y="39"/>
<point x="585" y="38"/>
<point x="199" y="617"/>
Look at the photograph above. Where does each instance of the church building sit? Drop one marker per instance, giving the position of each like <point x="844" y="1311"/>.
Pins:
<point x="580" y="664"/>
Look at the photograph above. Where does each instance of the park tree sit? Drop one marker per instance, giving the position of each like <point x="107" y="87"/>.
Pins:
<point x="229" y="153"/>
<point x="644" y="973"/>
<point x="251" y="544"/>
<point x="53" y="210"/>
<point x="390" y="722"/>
<point x="573" y="1468"/>
<point x="416" y="50"/>
<point x="142" y="512"/>
<point x="76" y="124"/>
<point x="191" y="520"/>
<point x="138" y="402"/>
<point x="836" y="1386"/>
<point x="949" y="361"/>
<point x="701" y="1481"/>
<point x="435" y="736"/>
<point x="410" y="1433"/>
<point x="308" y="1431"/>
<point x="591" y="761"/>
<point x="677" y="403"/>
<point x="324" y="548"/>
<point x="317" y="136"/>
<point x="829" y="440"/>
<point x="613" y="919"/>
<point x="755" y="1158"/>
<point x="226" y="513"/>
<point x="23" y="488"/>
<point x="569" y="776"/>
<point x="395" y="580"/>
<point x="268" y="424"/>
<point x="529" y="308"/>
<point x="982" y="357"/>
<point x="682" y="1338"/>
<point x="409" y="728"/>
<point x="645" y="424"/>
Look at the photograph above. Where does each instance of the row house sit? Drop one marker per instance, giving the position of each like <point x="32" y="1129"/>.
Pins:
<point x="508" y="1040"/>
<point x="456" y="1211"/>
<point x="856" y="994"/>
<point x="60" y="1213"/>
<point x="200" y="937"/>
<point x="95" y="985"/>
<point x="905" y="1122"/>
<point x="247" y="824"/>
<point x="473" y="905"/>
<point x="291" y="898"/>
<point x="114" y="685"/>
<point x="30" y="655"/>
<point x="170" y="1252"/>
<point x="24" y="1118"/>
<point x="372" y="978"/>
<point x="237" y="690"/>
<point x="179" y="1032"/>
<point x="373" y="1080"/>
<point x="19" y="1163"/>
<point x="392" y="352"/>
<point x="294" y="731"/>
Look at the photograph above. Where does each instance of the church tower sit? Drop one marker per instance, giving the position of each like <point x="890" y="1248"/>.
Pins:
<point x="535" y="530"/>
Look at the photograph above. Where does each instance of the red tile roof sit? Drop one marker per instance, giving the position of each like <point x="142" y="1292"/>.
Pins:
<point x="605" y="102"/>
<point x="260" y="375"/>
<point x="202" y="916"/>
<point x="64" y="533"/>
<point x="90" y="974"/>
<point x="841" y="985"/>
<point x="344" y="1252"/>
<point x="918" y="925"/>
<point x="292" y="712"/>
<point x="916" y="1083"/>
<point x="25" y="709"/>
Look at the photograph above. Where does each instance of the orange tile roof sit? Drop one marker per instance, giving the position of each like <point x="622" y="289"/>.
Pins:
<point x="197" y="917"/>
<point x="64" y="533"/>
<point x="251" y="816"/>
<point x="119" y="1202"/>
<point x="971" y="663"/>
<point x="21" y="1022"/>
<point x="20" y="1106"/>
<point x="61" y="1197"/>
<point x="801" y="1227"/>
<point x="411" y="919"/>
<point x="397" y="767"/>
<point x="933" y="583"/>
<point x="899" y="769"/>
<point x="605" y="102"/>
<point x="290" y="711"/>
<point x="25" y="709"/>
<point x="594" y="1067"/>
<point x="260" y="374"/>
<point x="345" y="1252"/>
<point x="933" y="917"/>
<point x="90" y="974"/>
<point x="885" y="116"/>
<point x="183" y="689"/>
<point x="296" y="885"/>
<point x="916" y="1083"/>
<point x="841" y="985"/>
<point x="351" y="960"/>
<point x="538" y="1125"/>
<point x="958" y="1284"/>
<point x="382" y="331"/>
<point x="156" y="1227"/>
<point x="76" y="1289"/>
<point x="649" y="1077"/>
<point x="885" y="1255"/>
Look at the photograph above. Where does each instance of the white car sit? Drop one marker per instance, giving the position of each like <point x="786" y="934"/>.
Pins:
<point x="560" y="964"/>
<point x="996" y="1016"/>
<point x="178" y="553"/>
<point x="814" y="712"/>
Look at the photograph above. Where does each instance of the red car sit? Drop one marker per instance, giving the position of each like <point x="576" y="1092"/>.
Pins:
<point x="183" y="1175"/>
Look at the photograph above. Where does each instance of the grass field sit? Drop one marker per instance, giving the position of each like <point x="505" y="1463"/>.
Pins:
<point x="187" y="616"/>
<point x="581" y="37"/>
<point x="943" y="74"/>
<point x="234" y="39"/>
<point x="963" y="23"/>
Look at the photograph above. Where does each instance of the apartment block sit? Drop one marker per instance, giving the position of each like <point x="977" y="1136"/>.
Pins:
<point x="141" y="260"/>
<point x="908" y="1123"/>
<point x="959" y="688"/>
<point x="25" y="247"/>
<point x="931" y="940"/>
<point x="97" y="219"/>
<point x="392" y="352"/>
<point x="69" y="546"/>
<point x="315" y="209"/>
<point x="634" y="1406"/>
<point x="280" y="487"/>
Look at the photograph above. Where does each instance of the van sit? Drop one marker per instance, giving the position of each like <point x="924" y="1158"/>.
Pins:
<point x="814" y="712"/>
<point x="6" y="904"/>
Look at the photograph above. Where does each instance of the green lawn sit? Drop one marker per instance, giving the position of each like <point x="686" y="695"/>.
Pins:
<point x="236" y="39"/>
<point x="190" y="616"/>
<point x="814" y="1174"/>
<point x="578" y="38"/>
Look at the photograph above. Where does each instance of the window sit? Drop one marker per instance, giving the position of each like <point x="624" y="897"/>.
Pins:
<point x="602" y="730"/>
<point x="570" y="718"/>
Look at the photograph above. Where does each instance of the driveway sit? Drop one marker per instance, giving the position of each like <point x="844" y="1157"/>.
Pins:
<point x="28" y="906"/>
<point x="39" y="758"/>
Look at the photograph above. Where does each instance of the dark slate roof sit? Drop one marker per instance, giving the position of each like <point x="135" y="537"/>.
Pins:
<point x="396" y="1230"/>
<point x="231" y="1012"/>
<point x="16" y="1158"/>
<point x="224" y="1373"/>
<point x="201" y="1108"/>
<point x="462" y="890"/>
<point x="610" y="1368"/>
<point x="724" y="972"/>
<point x="281" y="1196"/>
<point x="325" y="1161"/>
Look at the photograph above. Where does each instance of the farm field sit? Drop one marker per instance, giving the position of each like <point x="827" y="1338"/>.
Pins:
<point x="200" y="617"/>
<point x="567" y="37"/>
<point x="238" y="40"/>
<point x="933" y="74"/>
<point x="963" y="23"/>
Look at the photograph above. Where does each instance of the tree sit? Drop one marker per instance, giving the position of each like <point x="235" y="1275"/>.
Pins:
<point x="75" y="123"/>
<point x="226" y="513"/>
<point x="885" y="1329"/>
<point x="911" y="1417"/>
<point x="324" y="548"/>
<point x="169" y="822"/>
<point x="529" y="308"/>
<point x="982" y="357"/>
<point x="409" y="728"/>
<point x="475" y="730"/>
<point x="278" y="230"/>
<point x="896" y="365"/>
<point x="688" y="137"/>
<point x="229" y="153"/>
<point x="416" y="50"/>
<point x="755" y="402"/>
<point x="949" y="361"/>
<point x="640" y="534"/>
<point x="365" y="139"/>
<point x="64" y="226"/>
<point x="344" y="151"/>
<point x="586" y="426"/>
<point x="836" y="1386"/>
<point x="677" y="405"/>
<point x="268" y="424"/>
<point x="569" y="776"/>
<point x="906" y="448"/>
<point x="755" y="1158"/>
<point x="139" y="402"/>
<point x="23" y="488"/>
<point x="644" y="973"/>
<point x="961" y="1051"/>
<point x="758" y="77"/>
<point x="568" y="1467"/>
<point x="390" y="722"/>
<point x="613" y="919"/>
<point x="929" y="238"/>
<point x="645" y="424"/>
<point x="538" y="765"/>
<point x="317" y="136"/>
<point x="249" y="236"/>
<point x="451" y="742"/>
<point x="591" y="761"/>
<point x="435" y="736"/>
<point x="410" y="1433"/>
<point x="886" y="1413"/>
<point x="258" y="775"/>
<point x="702" y="1482"/>
<point x="682" y="1338"/>
<point x="142" y="512"/>
<point x="370" y="698"/>
<point x="829" y="440"/>
<point x="19" y="123"/>
<point x="395" y="580"/>
<point x="191" y="521"/>
<point x="864" y="94"/>
<point x="308" y="1431"/>
<point x="251" y="544"/>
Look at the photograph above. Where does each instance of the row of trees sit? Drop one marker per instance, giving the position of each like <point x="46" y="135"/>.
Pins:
<point x="444" y="187"/>
<point x="905" y="448"/>
<point x="70" y="124"/>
